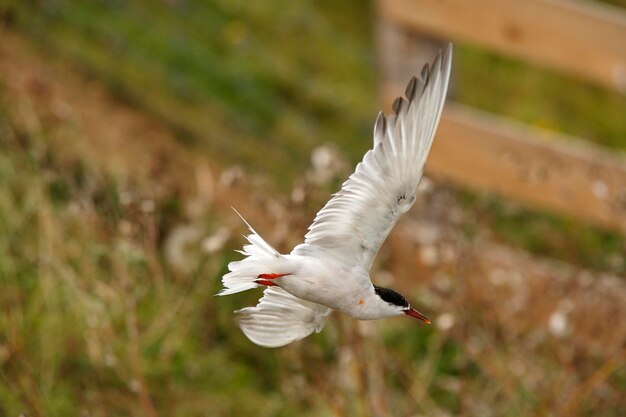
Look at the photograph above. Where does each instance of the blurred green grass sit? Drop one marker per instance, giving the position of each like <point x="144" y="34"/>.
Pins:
<point x="292" y="74"/>
<point x="237" y="80"/>
<point x="541" y="98"/>
<point x="73" y="309"/>
<point x="276" y="80"/>
<point x="240" y="78"/>
<point x="93" y="319"/>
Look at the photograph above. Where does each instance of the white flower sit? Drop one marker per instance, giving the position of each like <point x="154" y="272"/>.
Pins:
<point x="181" y="248"/>
<point x="558" y="324"/>
<point x="216" y="241"/>
<point x="429" y="255"/>
<point x="327" y="163"/>
<point x="445" y="321"/>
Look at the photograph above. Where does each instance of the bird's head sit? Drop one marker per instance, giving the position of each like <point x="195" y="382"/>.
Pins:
<point x="398" y="304"/>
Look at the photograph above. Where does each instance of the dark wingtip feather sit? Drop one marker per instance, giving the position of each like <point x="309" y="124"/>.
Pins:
<point x="415" y="87"/>
<point x="425" y="72"/>
<point x="397" y="105"/>
<point x="410" y="89"/>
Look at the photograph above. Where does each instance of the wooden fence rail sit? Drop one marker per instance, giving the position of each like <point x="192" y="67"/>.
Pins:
<point x="484" y="151"/>
<point x="575" y="37"/>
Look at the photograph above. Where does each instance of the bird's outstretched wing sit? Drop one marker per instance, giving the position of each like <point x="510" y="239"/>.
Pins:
<point x="281" y="318"/>
<point x="352" y="226"/>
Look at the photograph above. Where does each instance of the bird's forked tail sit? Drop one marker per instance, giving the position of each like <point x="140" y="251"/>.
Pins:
<point x="261" y="263"/>
<point x="280" y="318"/>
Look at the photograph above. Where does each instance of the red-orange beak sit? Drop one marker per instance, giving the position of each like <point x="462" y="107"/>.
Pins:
<point x="414" y="313"/>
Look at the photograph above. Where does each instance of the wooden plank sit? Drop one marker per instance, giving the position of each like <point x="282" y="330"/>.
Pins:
<point x="580" y="38"/>
<point x="540" y="168"/>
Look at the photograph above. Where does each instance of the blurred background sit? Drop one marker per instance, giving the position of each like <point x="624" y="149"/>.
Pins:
<point x="129" y="129"/>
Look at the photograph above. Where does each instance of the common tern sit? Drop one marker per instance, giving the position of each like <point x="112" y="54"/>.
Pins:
<point x="330" y="270"/>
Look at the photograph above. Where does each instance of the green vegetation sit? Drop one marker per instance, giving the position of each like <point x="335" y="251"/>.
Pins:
<point x="276" y="80"/>
<point x="94" y="319"/>
<point x="541" y="98"/>
<point x="547" y="234"/>
<point x="240" y="79"/>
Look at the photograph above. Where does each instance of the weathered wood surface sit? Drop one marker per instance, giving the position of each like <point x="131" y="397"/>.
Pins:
<point x="579" y="38"/>
<point x="539" y="168"/>
<point x="534" y="166"/>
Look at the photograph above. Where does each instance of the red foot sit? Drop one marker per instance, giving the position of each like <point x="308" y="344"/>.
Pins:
<point x="272" y="276"/>
<point x="266" y="282"/>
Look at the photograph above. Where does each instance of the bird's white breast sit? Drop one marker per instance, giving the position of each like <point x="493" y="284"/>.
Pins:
<point x="324" y="283"/>
<point x="349" y="291"/>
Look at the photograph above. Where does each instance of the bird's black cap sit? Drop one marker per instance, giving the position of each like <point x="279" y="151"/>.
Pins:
<point x="391" y="296"/>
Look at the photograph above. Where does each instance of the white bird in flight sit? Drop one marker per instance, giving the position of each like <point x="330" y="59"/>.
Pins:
<point x="330" y="270"/>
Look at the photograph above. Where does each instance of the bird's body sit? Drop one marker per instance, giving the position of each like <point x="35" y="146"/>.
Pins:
<point x="349" y="291"/>
<point x="330" y="270"/>
<point x="322" y="282"/>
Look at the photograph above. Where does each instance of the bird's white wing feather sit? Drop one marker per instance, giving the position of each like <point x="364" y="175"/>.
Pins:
<point x="281" y="318"/>
<point x="352" y="226"/>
